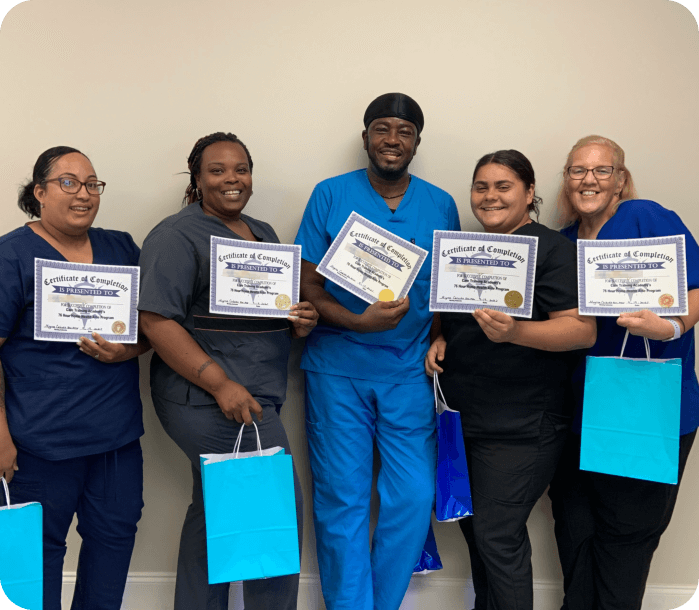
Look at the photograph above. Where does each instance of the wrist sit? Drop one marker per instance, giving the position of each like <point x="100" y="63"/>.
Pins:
<point x="353" y="322"/>
<point x="675" y="330"/>
<point x="214" y="379"/>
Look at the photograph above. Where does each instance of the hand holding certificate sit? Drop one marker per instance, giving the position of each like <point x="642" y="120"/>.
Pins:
<point x="621" y="275"/>
<point x="483" y="270"/>
<point x="370" y="262"/>
<point x="73" y="300"/>
<point x="253" y="278"/>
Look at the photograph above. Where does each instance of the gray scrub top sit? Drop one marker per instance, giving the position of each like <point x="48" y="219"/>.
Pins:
<point x="175" y="279"/>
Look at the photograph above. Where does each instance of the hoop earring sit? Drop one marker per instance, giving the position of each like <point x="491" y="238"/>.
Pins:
<point x="198" y="193"/>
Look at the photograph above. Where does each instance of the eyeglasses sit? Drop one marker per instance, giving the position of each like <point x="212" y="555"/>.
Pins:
<point x="604" y="172"/>
<point x="73" y="186"/>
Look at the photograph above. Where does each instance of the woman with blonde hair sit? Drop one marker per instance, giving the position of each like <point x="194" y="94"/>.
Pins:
<point x="608" y="527"/>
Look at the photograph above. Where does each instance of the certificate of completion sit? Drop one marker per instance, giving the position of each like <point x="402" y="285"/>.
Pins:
<point x="250" y="278"/>
<point x="618" y="275"/>
<point x="73" y="300"/>
<point x="370" y="262"/>
<point x="483" y="270"/>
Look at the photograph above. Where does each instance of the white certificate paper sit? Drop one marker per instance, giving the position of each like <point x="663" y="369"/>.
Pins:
<point x="370" y="262"/>
<point x="618" y="275"/>
<point x="253" y="279"/>
<point x="483" y="270"/>
<point x="73" y="300"/>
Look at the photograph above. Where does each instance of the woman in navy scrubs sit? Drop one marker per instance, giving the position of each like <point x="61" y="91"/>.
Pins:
<point x="70" y="416"/>
<point x="608" y="527"/>
<point x="509" y="378"/>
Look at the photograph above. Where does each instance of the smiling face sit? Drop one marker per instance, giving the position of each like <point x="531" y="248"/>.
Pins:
<point x="66" y="213"/>
<point x="592" y="198"/>
<point x="225" y="180"/>
<point x="391" y="144"/>
<point x="499" y="199"/>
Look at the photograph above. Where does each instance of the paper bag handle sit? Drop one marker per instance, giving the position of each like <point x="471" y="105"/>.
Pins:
<point x="437" y="388"/>
<point x="7" y="491"/>
<point x="623" y="346"/>
<point x="236" y="449"/>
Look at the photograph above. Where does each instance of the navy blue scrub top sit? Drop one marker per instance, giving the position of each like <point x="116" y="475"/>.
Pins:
<point x="634" y="219"/>
<point x="61" y="403"/>
<point x="175" y="281"/>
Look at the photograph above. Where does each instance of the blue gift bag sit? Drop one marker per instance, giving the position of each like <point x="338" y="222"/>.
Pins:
<point x="250" y="512"/>
<point x="453" y="488"/>
<point x="429" y="557"/>
<point x="21" y="554"/>
<point x="631" y="417"/>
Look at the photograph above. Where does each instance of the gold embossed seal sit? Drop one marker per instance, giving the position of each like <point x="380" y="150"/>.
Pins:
<point x="386" y="295"/>
<point x="118" y="328"/>
<point x="282" y="301"/>
<point x="513" y="299"/>
<point x="666" y="300"/>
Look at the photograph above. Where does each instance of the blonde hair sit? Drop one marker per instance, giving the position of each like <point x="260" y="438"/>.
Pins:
<point x="566" y="213"/>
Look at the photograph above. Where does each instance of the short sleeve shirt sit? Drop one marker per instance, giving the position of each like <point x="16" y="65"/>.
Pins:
<point x="392" y="356"/>
<point x="61" y="403"/>
<point x="635" y="219"/>
<point x="502" y="389"/>
<point x="175" y="283"/>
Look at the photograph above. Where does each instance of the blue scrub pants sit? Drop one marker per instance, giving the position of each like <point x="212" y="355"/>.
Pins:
<point x="344" y="417"/>
<point x="105" y="490"/>
<point x="198" y="429"/>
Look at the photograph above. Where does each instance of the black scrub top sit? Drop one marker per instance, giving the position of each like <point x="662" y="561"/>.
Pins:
<point x="175" y="280"/>
<point x="502" y="389"/>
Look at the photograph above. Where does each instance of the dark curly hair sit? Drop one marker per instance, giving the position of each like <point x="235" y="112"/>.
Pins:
<point x="520" y="165"/>
<point x="194" y="161"/>
<point x="42" y="168"/>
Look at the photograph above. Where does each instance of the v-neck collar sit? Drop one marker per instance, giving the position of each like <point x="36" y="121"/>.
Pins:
<point x="243" y="217"/>
<point x="381" y="204"/>
<point x="60" y="256"/>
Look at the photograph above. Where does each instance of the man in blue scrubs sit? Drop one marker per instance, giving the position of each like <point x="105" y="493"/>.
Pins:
<point x="365" y="381"/>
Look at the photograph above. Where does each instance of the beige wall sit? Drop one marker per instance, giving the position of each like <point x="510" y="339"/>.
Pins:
<point x="135" y="83"/>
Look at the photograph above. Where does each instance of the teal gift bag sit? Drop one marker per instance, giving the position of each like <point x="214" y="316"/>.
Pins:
<point x="21" y="554"/>
<point x="631" y="417"/>
<point x="250" y="511"/>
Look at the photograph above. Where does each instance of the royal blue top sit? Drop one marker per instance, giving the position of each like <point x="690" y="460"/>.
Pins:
<point x="391" y="356"/>
<point x="636" y="219"/>
<point x="61" y="403"/>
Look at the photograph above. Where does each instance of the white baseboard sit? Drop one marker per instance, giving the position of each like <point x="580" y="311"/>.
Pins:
<point x="155" y="591"/>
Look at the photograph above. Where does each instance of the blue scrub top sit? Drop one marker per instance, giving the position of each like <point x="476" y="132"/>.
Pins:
<point x="635" y="219"/>
<point x="392" y="356"/>
<point x="61" y="403"/>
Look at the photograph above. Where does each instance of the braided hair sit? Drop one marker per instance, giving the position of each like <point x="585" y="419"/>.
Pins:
<point x="26" y="200"/>
<point x="194" y="162"/>
<point x="520" y="165"/>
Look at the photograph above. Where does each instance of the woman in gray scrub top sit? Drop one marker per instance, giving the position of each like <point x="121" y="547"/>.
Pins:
<point x="212" y="373"/>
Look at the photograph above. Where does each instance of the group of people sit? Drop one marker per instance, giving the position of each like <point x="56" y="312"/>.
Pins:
<point x="70" y="416"/>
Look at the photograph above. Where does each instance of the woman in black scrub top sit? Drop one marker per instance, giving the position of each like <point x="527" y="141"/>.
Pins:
<point x="510" y="382"/>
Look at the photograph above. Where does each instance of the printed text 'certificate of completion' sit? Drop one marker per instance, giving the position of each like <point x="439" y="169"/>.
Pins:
<point x="483" y="270"/>
<point x="370" y="262"/>
<point x="253" y="279"/>
<point x="73" y="300"/>
<point x="618" y="275"/>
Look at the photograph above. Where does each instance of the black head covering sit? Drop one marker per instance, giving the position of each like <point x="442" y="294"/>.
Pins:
<point x="397" y="105"/>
